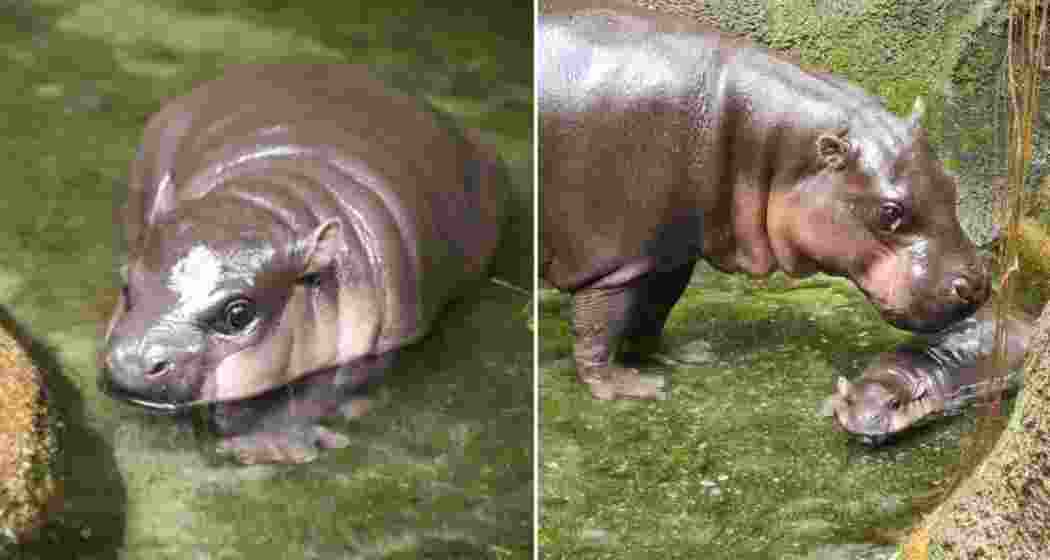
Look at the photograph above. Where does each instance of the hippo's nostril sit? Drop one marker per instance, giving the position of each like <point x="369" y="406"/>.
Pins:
<point x="970" y="291"/>
<point x="159" y="369"/>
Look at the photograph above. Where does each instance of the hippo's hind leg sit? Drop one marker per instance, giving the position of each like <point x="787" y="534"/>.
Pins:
<point x="283" y="425"/>
<point x="601" y="317"/>
<point x="657" y="294"/>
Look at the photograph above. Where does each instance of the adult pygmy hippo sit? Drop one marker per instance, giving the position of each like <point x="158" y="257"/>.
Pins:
<point x="930" y="376"/>
<point x="291" y="227"/>
<point x="660" y="146"/>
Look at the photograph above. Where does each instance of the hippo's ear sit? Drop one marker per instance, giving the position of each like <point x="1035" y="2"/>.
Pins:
<point x="321" y="246"/>
<point x="833" y="149"/>
<point x="917" y="111"/>
<point x="844" y="387"/>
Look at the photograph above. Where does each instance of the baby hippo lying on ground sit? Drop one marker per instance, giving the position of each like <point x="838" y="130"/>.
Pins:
<point x="930" y="376"/>
<point x="290" y="229"/>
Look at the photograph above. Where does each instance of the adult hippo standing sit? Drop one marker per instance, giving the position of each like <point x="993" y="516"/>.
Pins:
<point x="661" y="145"/>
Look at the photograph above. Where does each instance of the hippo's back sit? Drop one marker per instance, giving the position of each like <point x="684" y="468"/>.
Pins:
<point x="426" y="201"/>
<point x="627" y="114"/>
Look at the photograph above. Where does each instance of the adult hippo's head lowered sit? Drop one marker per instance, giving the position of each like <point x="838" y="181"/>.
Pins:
<point x="882" y="211"/>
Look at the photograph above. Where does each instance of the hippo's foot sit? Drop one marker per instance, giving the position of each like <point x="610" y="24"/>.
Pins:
<point x="611" y="382"/>
<point x="300" y="444"/>
<point x="284" y="425"/>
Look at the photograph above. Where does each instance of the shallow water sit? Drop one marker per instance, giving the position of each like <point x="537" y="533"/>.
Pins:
<point x="442" y="467"/>
<point x="737" y="462"/>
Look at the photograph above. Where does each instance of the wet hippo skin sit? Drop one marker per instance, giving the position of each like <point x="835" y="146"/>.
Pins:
<point x="663" y="144"/>
<point x="931" y="376"/>
<point x="289" y="229"/>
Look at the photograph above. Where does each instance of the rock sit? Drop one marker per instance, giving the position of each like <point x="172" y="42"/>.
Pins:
<point x="29" y="488"/>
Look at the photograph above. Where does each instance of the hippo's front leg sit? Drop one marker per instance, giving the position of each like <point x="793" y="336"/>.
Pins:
<point x="283" y="425"/>
<point x="601" y="317"/>
<point x="656" y="295"/>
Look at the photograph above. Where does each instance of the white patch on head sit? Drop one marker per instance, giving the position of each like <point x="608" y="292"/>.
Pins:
<point x="195" y="276"/>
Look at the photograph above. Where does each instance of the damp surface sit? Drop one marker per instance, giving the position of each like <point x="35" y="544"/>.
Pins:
<point x="737" y="462"/>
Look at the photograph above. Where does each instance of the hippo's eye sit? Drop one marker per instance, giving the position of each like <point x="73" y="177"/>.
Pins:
<point x="895" y="404"/>
<point x="236" y="316"/>
<point x="891" y="216"/>
<point x="311" y="280"/>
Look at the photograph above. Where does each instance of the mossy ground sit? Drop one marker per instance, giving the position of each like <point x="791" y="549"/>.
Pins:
<point x="737" y="463"/>
<point x="441" y="469"/>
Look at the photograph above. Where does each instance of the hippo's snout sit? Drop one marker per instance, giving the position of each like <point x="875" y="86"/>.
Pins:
<point x="147" y="375"/>
<point x="964" y="287"/>
<point x="972" y="286"/>
<point x="138" y="370"/>
<point x="918" y="297"/>
<point x="963" y="294"/>
<point x="871" y="430"/>
<point x="968" y="289"/>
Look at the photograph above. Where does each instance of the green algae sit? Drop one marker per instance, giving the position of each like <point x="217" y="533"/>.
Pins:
<point x="737" y="463"/>
<point x="442" y="467"/>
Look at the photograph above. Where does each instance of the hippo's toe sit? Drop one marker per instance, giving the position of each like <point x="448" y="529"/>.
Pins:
<point x="611" y="382"/>
<point x="293" y="446"/>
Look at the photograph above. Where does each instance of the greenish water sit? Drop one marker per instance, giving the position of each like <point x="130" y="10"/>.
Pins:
<point x="736" y="463"/>
<point x="442" y="468"/>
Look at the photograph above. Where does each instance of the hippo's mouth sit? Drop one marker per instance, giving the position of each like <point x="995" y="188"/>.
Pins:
<point x="157" y="407"/>
<point x="874" y="439"/>
<point x="930" y="319"/>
